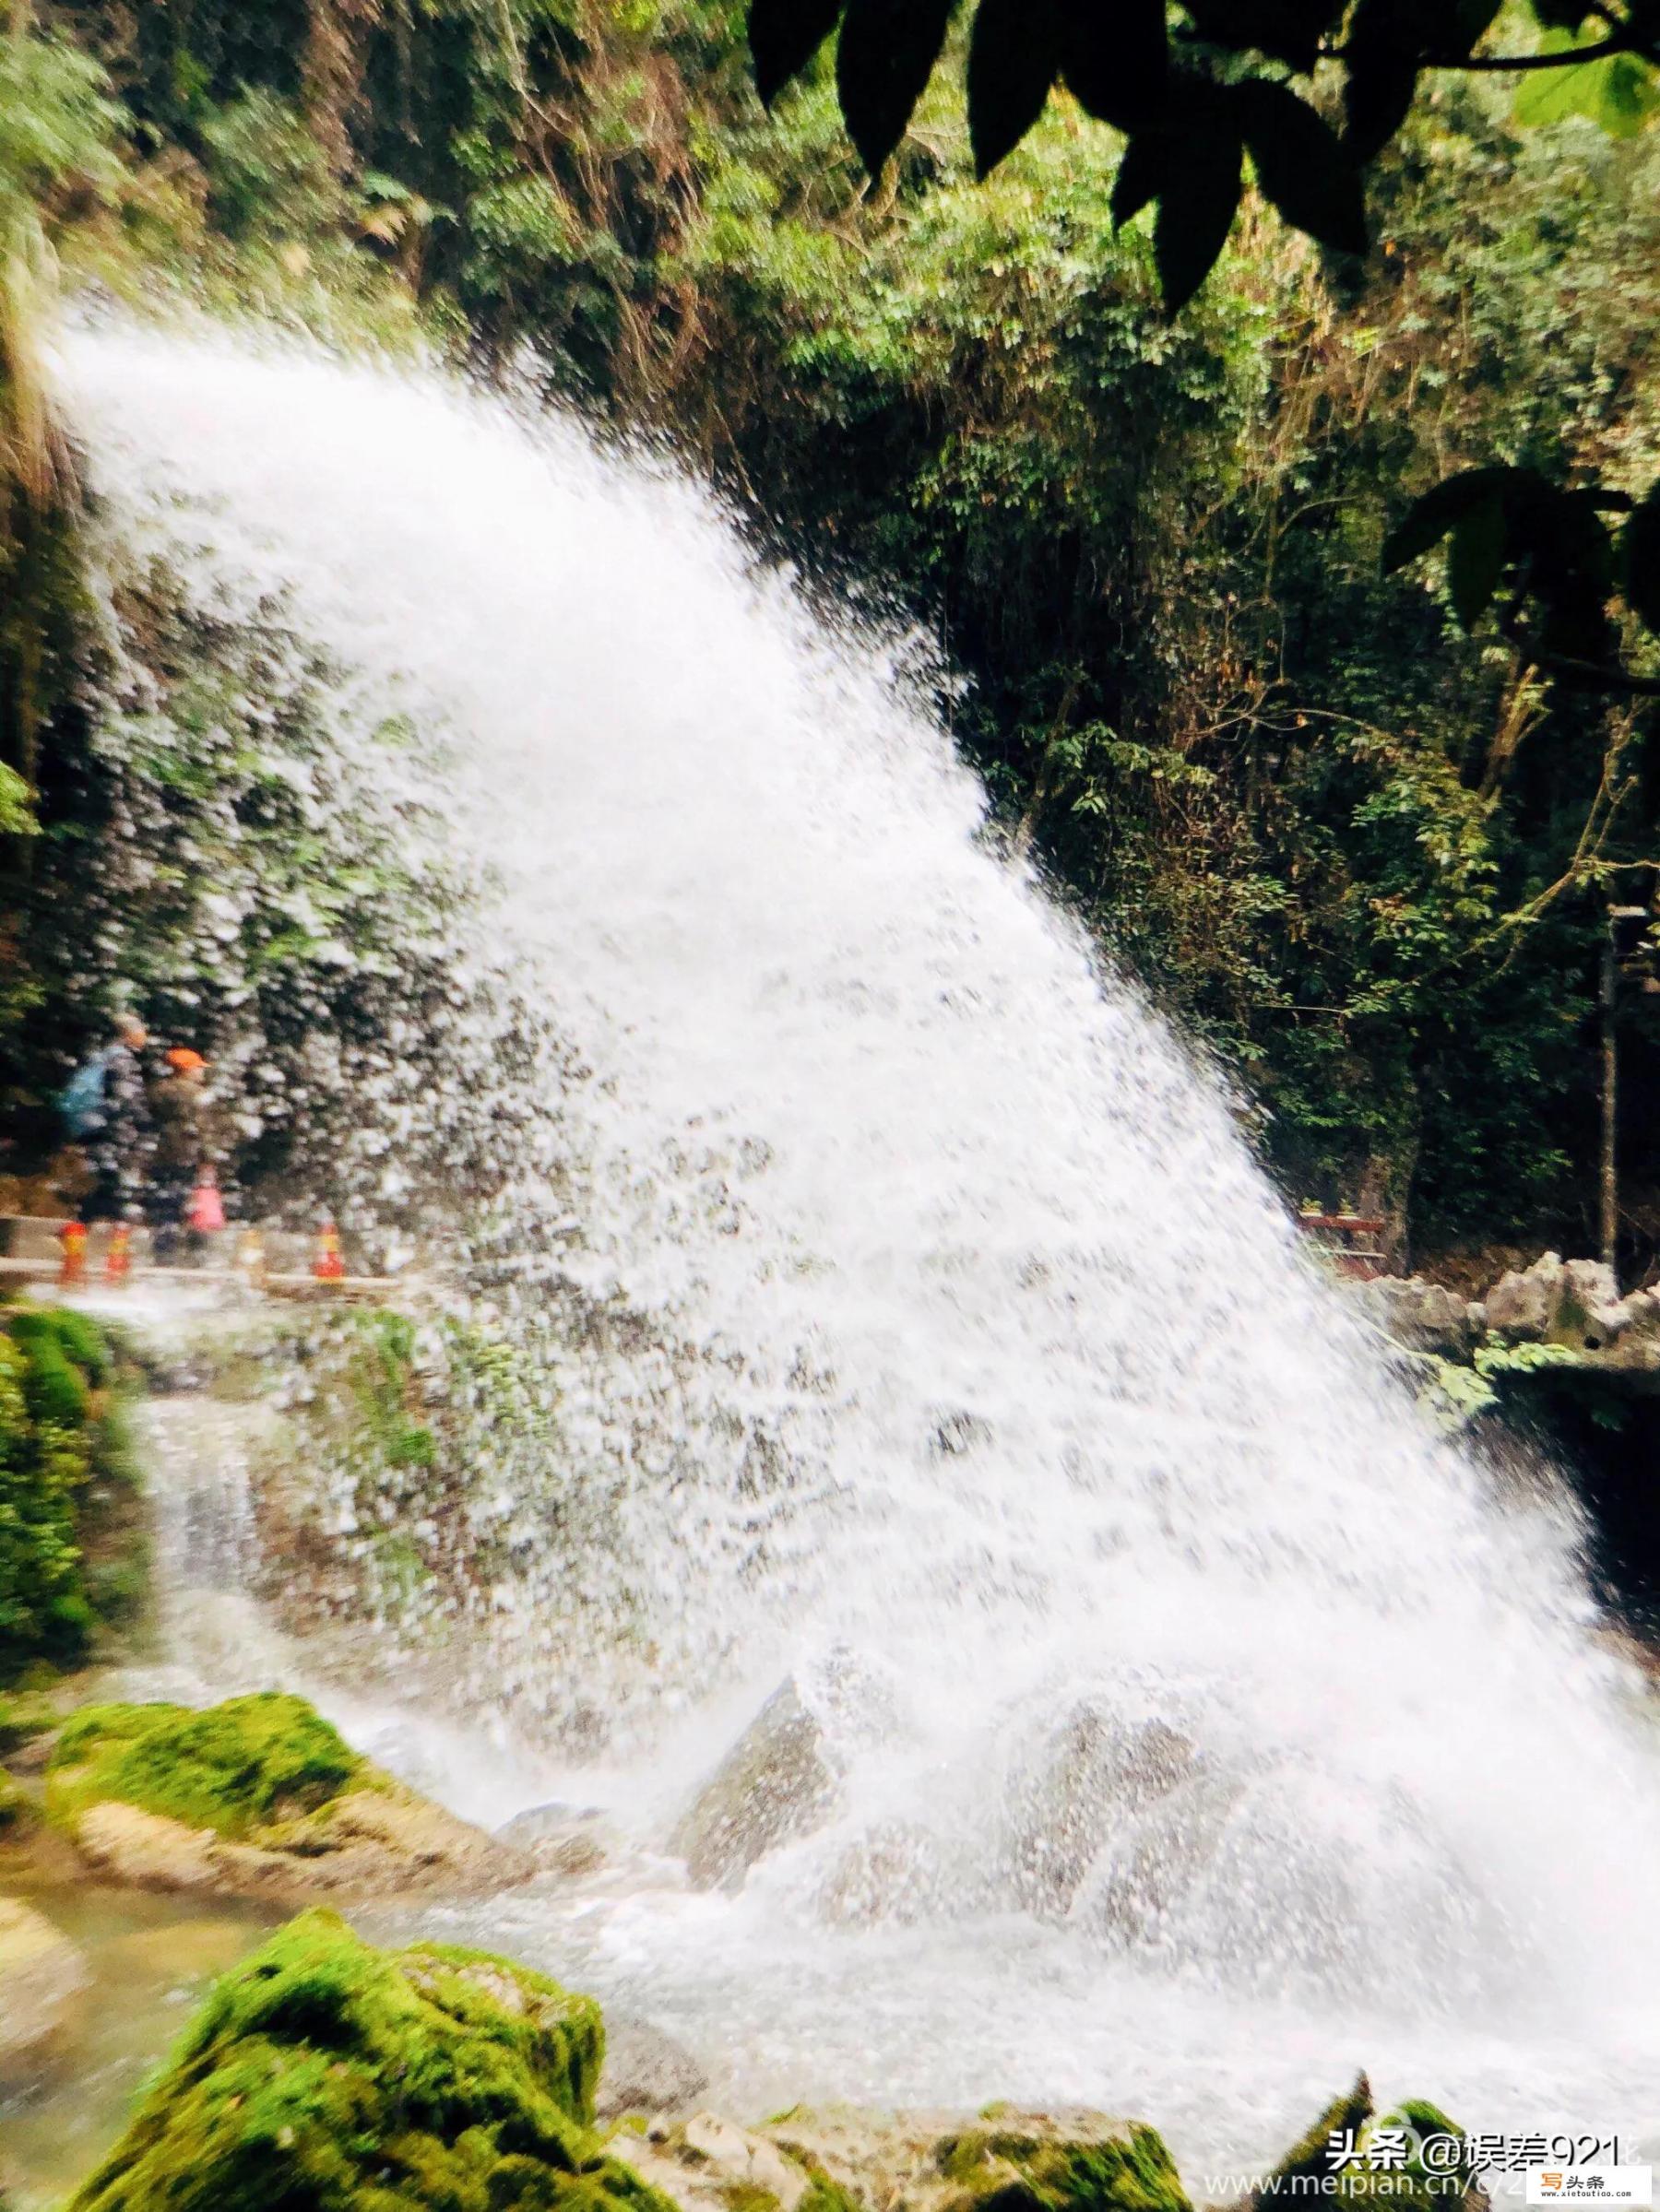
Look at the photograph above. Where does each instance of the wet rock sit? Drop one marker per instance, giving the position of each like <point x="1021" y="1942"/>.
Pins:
<point x="708" y="2164"/>
<point x="1426" y="1317"/>
<point x="566" y="1840"/>
<point x="324" y="2072"/>
<point x="646" y="2070"/>
<point x="775" y="1784"/>
<point x="1418" y="2149"/>
<point x="894" y="1872"/>
<point x="1308" y="2160"/>
<point x="258" y="1797"/>
<point x="41" y="1975"/>
<point x="1526" y="1303"/>
<point x="1098" y="1773"/>
<point x="1155" y="1859"/>
<point x="1064" y="2159"/>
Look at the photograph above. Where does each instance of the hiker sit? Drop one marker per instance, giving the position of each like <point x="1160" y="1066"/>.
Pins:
<point x="178" y="1106"/>
<point x="107" y="1114"/>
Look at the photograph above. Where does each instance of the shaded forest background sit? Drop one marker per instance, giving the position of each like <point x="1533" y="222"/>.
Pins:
<point x="1366" y="858"/>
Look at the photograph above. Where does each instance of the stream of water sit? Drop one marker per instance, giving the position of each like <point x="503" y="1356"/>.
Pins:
<point x="972" y="1379"/>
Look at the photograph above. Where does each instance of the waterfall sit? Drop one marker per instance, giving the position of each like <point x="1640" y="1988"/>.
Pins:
<point x="943" y="1349"/>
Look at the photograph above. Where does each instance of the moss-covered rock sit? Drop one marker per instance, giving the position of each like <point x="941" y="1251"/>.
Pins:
<point x="258" y="1796"/>
<point x="24" y="1715"/>
<point x="1310" y="2158"/>
<point x="236" y="1768"/>
<point x="1061" y="2163"/>
<point x="326" y="2075"/>
<point x="837" y="2158"/>
<point x="1411" y="2156"/>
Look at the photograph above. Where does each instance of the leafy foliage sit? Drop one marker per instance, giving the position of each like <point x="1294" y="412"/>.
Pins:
<point x="1362" y="851"/>
<point x="60" y="1449"/>
<point x="1193" y="107"/>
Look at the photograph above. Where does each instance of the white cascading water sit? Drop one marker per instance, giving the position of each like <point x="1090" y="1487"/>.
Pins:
<point x="996" y="1402"/>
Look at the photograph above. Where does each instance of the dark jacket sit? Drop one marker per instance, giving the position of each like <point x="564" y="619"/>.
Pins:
<point x="178" y="1109"/>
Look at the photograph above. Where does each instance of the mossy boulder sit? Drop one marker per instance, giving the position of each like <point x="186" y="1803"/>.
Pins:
<point x="235" y="1767"/>
<point x="1079" y="2163"/>
<point x="835" y="2158"/>
<point x="326" y="2075"/>
<point x="258" y="1796"/>
<point x="1411" y="2156"/>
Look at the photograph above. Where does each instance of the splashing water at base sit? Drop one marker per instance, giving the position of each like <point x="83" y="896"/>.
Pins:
<point x="946" y="1354"/>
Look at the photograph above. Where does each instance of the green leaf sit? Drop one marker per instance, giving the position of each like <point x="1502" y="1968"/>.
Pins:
<point x="1115" y="56"/>
<point x="1619" y="93"/>
<point x="1301" y="167"/>
<point x="17" y="810"/>
<point x="1476" y="559"/>
<point x="1199" y="196"/>
<point x="1639" y="561"/>
<point x="888" y="53"/>
<point x="1013" y="59"/>
<point x="783" y="37"/>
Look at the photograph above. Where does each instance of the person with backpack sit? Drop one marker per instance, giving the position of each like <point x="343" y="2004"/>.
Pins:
<point x="179" y="1110"/>
<point x="106" y="1111"/>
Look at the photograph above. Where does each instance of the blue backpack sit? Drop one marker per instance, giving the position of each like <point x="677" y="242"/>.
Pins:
<point x="81" y="1101"/>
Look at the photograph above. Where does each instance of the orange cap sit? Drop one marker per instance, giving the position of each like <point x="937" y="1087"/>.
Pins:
<point x="184" y="1060"/>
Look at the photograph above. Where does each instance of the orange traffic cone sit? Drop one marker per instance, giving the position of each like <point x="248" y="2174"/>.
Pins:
<point x="118" y="1260"/>
<point x="72" y="1238"/>
<point x="328" y="1265"/>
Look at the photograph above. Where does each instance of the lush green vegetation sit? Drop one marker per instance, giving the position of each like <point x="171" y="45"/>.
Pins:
<point x="1364" y="852"/>
<point x="71" y="1554"/>
<point x="235" y="1768"/>
<point x="323" y="2072"/>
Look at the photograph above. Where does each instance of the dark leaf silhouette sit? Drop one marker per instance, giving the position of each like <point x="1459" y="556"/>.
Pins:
<point x="1476" y="559"/>
<point x="1639" y="561"/>
<point x="1115" y="57"/>
<point x="1288" y="31"/>
<point x="1302" y="168"/>
<point x="1013" y="61"/>
<point x="888" y="53"/>
<point x="783" y="37"/>
<point x="1430" y="518"/>
<point x="1383" y="64"/>
<point x="1140" y="176"/>
<point x="1199" y="192"/>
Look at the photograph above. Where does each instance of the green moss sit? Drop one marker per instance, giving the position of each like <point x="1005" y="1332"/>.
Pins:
<point x="1412" y="2186"/>
<point x="747" y="2196"/>
<point x="44" y="1610"/>
<point x="1308" y="2159"/>
<point x="13" y="1804"/>
<point x="25" y="1714"/>
<point x="76" y="1336"/>
<point x="1020" y="2170"/>
<point x="1401" y="2180"/>
<point x="325" y="2074"/>
<point x="237" y="1768"/>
